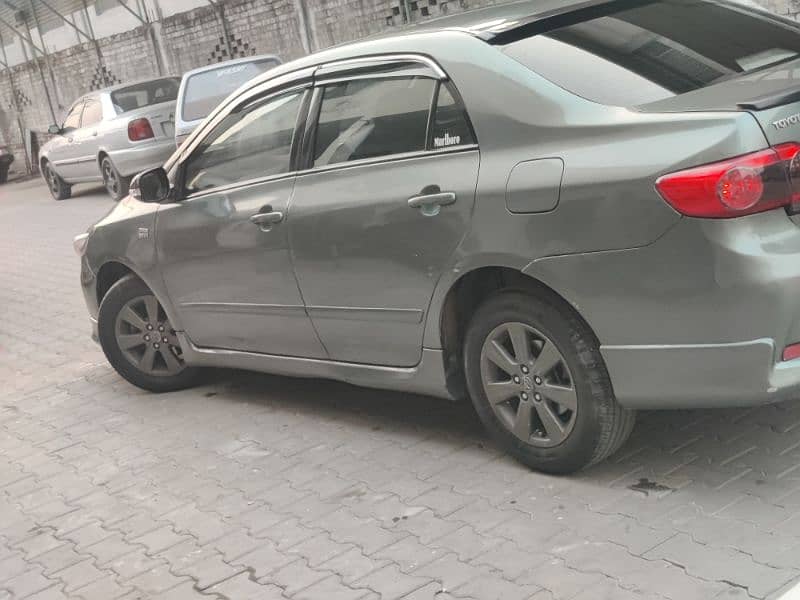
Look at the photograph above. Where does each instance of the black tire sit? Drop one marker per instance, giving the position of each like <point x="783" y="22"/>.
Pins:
<point x="600" y="426"/>
<point x="59" y="189"/>
<point x="117" y="298"/>
<point x="117" y="185"/>
<point x="4" y="173"/>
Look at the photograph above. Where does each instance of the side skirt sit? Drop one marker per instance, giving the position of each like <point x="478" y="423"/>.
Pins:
<point x="427" y="378"/>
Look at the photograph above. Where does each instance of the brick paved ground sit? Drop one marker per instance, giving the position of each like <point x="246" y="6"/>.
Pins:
<point x="266" y="487"/>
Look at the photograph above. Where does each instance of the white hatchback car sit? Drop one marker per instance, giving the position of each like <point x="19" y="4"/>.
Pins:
<point x="203" y="89"/>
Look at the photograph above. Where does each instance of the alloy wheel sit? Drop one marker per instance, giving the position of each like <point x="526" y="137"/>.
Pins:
<point x="52" y="180"/>
<point x="529" y="385"/>
<point x="110" y="179"/>
<point x="147" y="339"/>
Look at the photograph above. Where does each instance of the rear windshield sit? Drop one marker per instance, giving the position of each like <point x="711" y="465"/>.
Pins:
<point x="145" y="94"/>
<point x="624" y="56"/>
<point x="206" y="90"/>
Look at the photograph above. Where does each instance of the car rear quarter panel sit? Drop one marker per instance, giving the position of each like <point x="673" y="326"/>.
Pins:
<point x="131" y="158"/>
<point x="612" y="159"/>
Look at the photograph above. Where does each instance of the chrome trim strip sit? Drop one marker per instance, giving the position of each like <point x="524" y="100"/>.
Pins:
<point x="390" y="158"/>
<point x="383" y="58"/>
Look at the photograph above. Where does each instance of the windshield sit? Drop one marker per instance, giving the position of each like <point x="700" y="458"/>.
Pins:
<point x="659" y="49"/>
<point x="145" y="94"/>
<point x="206" y="90"/>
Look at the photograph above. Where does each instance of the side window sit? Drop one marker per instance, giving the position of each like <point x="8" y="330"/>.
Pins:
<point x="250" y="143"/>
<point x="368" y="118"/>
<point x="92" y="113"/>
<point x="450" y="122"/>
<point x="73" y="118"/>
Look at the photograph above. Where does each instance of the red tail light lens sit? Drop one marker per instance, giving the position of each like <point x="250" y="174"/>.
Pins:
<point x="140" y="129"/>
<point x="740" y="186"/>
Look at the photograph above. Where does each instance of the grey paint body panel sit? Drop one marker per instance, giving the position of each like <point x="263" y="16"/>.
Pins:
<point x="371" y="275"/>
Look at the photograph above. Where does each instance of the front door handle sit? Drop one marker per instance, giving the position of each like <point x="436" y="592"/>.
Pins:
<point x="431" y="204"/>
<point x="267" y="220"/>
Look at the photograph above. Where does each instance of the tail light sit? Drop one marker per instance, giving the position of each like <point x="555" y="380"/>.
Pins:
<point x="140" y="129"/>
<point x="740" y="186"/>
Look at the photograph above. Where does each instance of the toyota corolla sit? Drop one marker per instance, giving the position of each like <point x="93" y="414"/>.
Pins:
<point x="564" y="211"/>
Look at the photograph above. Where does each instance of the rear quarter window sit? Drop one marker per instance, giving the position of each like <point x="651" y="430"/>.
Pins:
<point x="623" y="56"/>
<point x="145" y="94"/>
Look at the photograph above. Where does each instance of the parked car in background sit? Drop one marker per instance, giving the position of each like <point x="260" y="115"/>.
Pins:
<point x="110" y="136"/>
<point x="204" y="88"/>
<point x="565" y="210"/>
<point x="6" y="159"/>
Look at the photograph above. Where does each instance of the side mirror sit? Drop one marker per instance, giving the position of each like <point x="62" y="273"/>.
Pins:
<point x="54" y="130"/>
<point x="151" y="186"/>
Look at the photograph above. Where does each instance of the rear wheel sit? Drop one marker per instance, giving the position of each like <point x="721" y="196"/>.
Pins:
<point x="59" y="188"/>
<point x="540" y="386"/>
<point x="139" y="341"/>
<point x="116" y="185"/>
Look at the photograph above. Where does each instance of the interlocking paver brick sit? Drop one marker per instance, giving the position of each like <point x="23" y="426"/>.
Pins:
<point x="59" y="558"/>
<point x="107" y="587"/>
<point x="242" y="587"/>
<point x="264" y="560"/>
<point x="294" y="577"/>
<point x="390" y="582"/>
<point x="24" y="584"/>
<point x="715" y="564"/>
<point x="208" y="570"/>
<point x="352" y="565"/>
<point x="156" y="580"/>
<point x="78" y="575"/>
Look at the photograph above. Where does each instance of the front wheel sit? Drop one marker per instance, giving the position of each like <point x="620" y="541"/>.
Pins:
<point x="540" y="386"/>
<point x="59" y="189"/>
<point x="139" y="341"/>
<point x="116" y="185"/>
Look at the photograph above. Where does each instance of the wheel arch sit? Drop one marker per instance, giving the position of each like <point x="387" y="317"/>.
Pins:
<point x="463" y="298"/>
<point x="109" y="274"/>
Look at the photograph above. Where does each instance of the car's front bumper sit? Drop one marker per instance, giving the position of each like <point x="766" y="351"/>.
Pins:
<point x="699" y="318"/>
<point x="142" y="157"/>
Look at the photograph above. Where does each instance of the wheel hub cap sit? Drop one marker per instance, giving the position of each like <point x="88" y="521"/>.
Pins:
<point x="147" y="339"/>
<point x="529" y="385"/>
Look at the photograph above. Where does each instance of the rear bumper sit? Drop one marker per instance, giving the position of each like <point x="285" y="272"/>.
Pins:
<point x="701" y="376"/>
<point x="699" y="318"/>
<point x="142" y="157"/>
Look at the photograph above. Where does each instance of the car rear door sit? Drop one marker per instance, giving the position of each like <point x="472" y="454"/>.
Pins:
<point x="385" y="199"/>
<point x="223" y="248"/>
<point x="64" y="153"/>
<point x="85" y="142"/>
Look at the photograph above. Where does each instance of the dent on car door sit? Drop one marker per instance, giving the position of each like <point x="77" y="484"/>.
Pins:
<point x="378" y="216"/>
<point x="224" y="250"/>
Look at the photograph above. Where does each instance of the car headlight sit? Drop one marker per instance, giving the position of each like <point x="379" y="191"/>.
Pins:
<point x="80" y="242"/>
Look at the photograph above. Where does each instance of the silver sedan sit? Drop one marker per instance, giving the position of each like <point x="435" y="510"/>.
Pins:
<point x="110" y="136"/>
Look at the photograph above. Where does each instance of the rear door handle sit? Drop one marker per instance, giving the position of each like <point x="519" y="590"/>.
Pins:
<point x="431" y="204"/>
<point x="267" y="219"/>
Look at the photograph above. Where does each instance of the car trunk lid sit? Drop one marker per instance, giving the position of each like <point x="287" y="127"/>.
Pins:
<point x="161" y="117"/>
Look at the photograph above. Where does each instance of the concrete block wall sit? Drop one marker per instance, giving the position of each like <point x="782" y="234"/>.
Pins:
<point x="289" y="28"/>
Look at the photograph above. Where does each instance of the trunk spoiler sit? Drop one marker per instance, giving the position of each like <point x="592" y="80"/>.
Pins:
<point x="771" y="101"/>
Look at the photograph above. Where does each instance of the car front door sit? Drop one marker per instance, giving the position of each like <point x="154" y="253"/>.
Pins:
<point x="386" y="197"/>
<point x="223" y="248"/>
<point x="85" y="140"/>
<point x="63" y="153"/>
